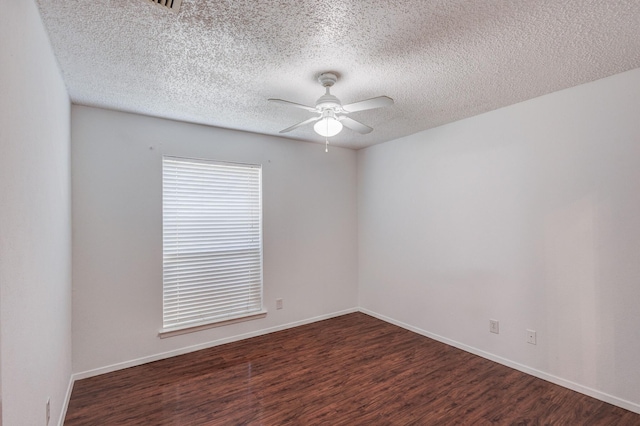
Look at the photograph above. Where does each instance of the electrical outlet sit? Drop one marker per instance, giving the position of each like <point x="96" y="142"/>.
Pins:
<point x="531" y="337"/>
<point x="278" y="303"/>
<point x="494" y="326"/>
<point x="48" y="410"/>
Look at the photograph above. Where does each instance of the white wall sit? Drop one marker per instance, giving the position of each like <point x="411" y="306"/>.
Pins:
<point x="529" y="215"/>
<point x="309" y="220"/>
<point x="35" y="228"/>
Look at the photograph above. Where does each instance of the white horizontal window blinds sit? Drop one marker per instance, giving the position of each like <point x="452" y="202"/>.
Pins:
<point x="212" y="241"/>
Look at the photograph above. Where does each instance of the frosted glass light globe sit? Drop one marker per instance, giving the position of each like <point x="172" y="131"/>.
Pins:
<point x="327" y="127"/>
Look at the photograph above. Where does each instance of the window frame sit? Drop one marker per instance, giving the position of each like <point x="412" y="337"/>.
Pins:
<point x="174" y="328"/>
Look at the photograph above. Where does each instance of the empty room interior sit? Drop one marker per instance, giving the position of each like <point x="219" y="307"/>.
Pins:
<point x="433" y="210"/>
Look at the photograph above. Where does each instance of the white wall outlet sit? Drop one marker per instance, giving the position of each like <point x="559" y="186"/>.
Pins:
<point x="531" y="337"/>
<point x="48" y="410"/>
<point x="494" y="326"/>
<point x="278" y="303"/>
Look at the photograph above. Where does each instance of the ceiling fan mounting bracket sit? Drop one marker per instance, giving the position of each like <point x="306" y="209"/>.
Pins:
<point x="327" y="79"/>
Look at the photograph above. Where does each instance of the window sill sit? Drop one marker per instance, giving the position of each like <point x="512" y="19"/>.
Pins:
<point x="170" y="332"/>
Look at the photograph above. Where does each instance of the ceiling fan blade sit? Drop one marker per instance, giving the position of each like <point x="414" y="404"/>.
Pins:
<point x="379" y="102"/>
<point x="302" y="123"/>
<point x="355" y="125"/>
<point x="293" y="104"/>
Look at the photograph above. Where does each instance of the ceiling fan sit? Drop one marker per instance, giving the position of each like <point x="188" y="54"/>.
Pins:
<point x="332" y="115"/>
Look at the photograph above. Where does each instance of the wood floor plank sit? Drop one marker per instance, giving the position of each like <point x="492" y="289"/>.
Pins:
<point x="350" y="370"/>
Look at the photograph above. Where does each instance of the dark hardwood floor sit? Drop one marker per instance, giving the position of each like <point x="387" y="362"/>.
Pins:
<point x="350" y="370"/>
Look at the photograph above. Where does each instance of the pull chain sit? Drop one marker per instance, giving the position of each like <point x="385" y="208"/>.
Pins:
<point x="326" y="144"/>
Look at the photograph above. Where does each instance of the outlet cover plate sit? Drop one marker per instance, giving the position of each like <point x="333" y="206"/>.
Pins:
<point x="531" y="336"/>
<point x="494" y="326"/>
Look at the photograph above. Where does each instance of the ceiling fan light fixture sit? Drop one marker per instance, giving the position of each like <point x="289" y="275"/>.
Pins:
<point x="332" y="114"/>
<point x="328" y="126"/>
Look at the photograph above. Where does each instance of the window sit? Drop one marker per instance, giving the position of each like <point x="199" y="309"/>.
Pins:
<point x="212" y="242"/>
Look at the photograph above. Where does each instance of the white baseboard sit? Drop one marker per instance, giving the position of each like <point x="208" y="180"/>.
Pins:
<point x="206" y="345"/>
<point x="602" y="396"/>
<point x="67" y="397"/>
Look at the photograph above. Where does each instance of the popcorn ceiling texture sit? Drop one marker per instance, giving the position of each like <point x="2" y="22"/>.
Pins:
<point x="216" y="62"/>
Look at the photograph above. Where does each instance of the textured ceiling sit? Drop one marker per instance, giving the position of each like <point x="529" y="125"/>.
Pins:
<point x="217" y="62"/>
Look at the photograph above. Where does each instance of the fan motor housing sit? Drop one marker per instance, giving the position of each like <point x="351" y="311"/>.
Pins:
<point x="328" y="101"/>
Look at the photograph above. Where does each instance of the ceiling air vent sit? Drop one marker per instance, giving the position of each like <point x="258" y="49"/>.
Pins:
<point x="173" y="5"/>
